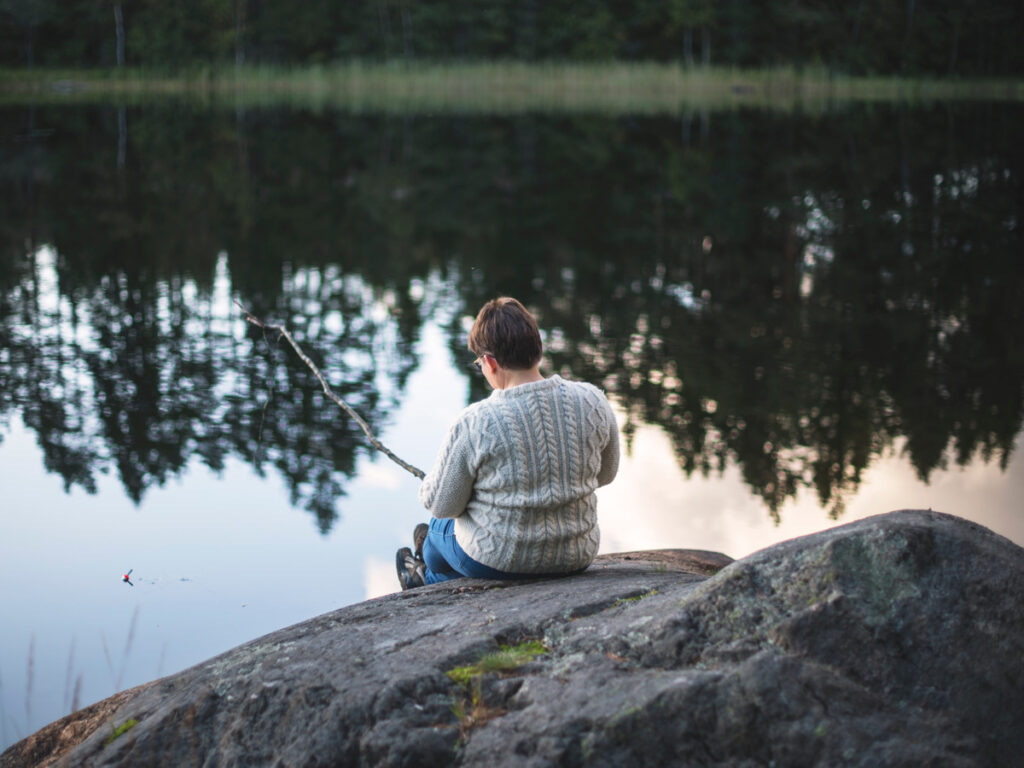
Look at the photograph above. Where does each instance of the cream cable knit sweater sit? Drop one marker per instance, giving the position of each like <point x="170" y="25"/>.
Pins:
<point x="518" y="473"/>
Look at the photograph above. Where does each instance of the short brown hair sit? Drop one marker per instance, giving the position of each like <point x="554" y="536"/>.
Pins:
<point x="506" y="331"/>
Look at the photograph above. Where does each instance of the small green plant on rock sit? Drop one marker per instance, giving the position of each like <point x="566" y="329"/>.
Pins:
<point x="469" y="708"/>
<point x="471" y="711"/>
<point x="636" y="598"/>
<point x="121" y="730"/>
<point x="507" y="659"/>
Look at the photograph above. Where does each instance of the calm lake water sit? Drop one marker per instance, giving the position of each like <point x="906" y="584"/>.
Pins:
<point x="801" y="320"/>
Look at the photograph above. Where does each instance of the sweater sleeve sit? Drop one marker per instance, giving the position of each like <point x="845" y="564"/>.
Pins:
<point x="448" y="486"/>
<point x="610" y="452"/>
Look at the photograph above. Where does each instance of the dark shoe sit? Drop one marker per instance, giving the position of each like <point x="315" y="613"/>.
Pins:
<point x="419" y="535"/>
<point x="411" y="571"/>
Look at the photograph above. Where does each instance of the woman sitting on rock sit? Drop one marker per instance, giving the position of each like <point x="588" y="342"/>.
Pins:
<point x="512" y="491"/>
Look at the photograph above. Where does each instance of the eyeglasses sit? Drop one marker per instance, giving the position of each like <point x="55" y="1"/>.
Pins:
<point x="476" y="364"/>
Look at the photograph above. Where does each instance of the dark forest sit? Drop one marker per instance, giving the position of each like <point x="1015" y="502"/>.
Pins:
<point x="866" y="37"/>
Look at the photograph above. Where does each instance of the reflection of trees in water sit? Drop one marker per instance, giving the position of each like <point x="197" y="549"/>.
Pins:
<point x="351" y="332"/>
<point x="144" y="376"/>
<point x="792" y="294"/>
<point x="845" y="304"/>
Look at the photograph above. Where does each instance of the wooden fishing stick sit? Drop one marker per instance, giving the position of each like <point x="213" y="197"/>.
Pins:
<point x="251" y="318"/>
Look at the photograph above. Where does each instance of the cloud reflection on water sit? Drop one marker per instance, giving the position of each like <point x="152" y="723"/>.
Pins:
<point x="653" y="505"/>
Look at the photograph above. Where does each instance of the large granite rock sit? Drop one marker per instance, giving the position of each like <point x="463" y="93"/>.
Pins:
<point x="895" y="640"/>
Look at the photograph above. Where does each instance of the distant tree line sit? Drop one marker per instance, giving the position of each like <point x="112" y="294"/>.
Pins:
<point x="943" y="37"/>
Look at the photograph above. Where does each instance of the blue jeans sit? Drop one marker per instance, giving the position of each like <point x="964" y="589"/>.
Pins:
<point x="445" y="559"/>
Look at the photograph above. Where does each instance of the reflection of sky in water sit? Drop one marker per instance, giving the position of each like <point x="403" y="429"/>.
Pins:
<point x="221" y="559"/>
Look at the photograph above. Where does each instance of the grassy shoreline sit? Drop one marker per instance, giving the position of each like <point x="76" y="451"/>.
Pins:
<point x="496" y="87"/>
